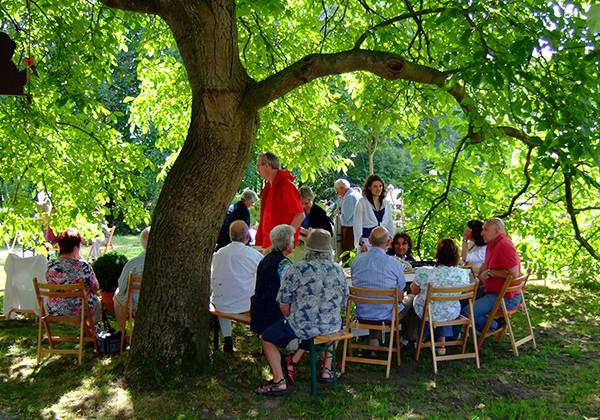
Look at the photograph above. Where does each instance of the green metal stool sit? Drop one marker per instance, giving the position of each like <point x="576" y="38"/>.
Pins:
<point x="325" y="343"/>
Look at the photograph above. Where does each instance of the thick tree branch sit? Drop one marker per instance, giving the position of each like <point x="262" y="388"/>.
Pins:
<point x="383" y="64"/>
<point x="519" y="135"/>
<point x="571" y="211"/>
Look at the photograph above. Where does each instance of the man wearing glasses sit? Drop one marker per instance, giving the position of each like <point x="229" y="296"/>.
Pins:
<point x="279" y="202"/>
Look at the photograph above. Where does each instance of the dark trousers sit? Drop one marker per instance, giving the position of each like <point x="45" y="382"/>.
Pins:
<point x="347" y="241"/>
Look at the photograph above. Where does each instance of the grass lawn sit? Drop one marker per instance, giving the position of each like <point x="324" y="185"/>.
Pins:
<point x="560" y="380"/>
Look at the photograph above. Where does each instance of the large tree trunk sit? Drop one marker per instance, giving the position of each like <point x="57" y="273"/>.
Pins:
<point x="186" y="221"/>
<point x="173" y="319"/>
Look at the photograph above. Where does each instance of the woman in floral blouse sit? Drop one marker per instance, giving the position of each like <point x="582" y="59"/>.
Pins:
<point x="444" y="274"/>
<point x="69" y="268"/>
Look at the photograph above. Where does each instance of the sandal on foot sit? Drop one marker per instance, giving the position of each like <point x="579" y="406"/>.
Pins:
<point x="289" y="368"/>
<point x="441" y="351"/>
<point x="327" y="376"/>
<point x="273" y="389"/>
<point x="338" y="365"/>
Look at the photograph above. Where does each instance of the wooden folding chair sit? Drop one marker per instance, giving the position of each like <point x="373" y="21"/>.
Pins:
<point x="373" y="297"/>
<point x="45" y="291"/>
<point x="510" y="285"/>
<point x="133" y="283"/>
<point x="109" y="243"/>
<point x="447" y="294"/>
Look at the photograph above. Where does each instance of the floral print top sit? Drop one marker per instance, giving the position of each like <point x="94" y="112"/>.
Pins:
<point x="442" y="276"/>
<point x="69" y="272"/>
<point x="317" y="291"/>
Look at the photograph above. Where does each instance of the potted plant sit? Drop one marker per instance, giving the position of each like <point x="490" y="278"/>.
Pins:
<point x="108" y="269"/>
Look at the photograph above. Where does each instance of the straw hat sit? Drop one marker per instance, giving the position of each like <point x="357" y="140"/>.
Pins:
<point x="319" y="240"/>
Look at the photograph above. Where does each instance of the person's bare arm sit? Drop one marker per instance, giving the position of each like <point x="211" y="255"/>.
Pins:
<point x="400" y="295"/>
<point x="415" y="290"/>
<point x="297" y="220"/>
<point x="483" y="273"/>
<point x="285" y="309"/>
<point x="499" y="274"/>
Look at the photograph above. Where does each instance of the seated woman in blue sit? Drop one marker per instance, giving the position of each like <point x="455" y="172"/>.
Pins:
<point x="265" y="308"/>
<point x="401" y="247"/>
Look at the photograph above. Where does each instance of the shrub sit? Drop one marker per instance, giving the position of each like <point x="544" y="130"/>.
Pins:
<point x="108" y="269"/>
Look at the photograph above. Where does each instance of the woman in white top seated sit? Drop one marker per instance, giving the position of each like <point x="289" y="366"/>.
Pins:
<point x="473" y="246"/>
<point x="444" y="274"/>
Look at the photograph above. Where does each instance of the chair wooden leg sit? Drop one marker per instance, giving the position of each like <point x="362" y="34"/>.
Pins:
<point x="508" y="327"/>
<point x="475" y="344"/>
<point x="432" y="344"/>
<point x="390" y="354"/>
<point x="419" y="341"/>
<point x="344" y="356"/>
<point x="528" y="320"/>
<point x="39" y="353"/>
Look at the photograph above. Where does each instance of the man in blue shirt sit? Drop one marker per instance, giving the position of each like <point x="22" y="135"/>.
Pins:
<point x="377" y="270"/>
<point x="346" y="203"/>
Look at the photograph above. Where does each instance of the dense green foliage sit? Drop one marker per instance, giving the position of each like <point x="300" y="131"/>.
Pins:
<point x="112" y="89"/>
<point x="108" y="268"/>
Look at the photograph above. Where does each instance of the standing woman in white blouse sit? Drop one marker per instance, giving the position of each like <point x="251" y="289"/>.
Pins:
<point x="473" y="246"/>
<point x="372" y="210"/>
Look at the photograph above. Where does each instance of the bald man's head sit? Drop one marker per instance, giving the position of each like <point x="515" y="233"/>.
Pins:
<point x="379" y="237"/>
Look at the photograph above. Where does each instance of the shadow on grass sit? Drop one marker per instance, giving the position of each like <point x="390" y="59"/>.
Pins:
<point x="559" y="380"/>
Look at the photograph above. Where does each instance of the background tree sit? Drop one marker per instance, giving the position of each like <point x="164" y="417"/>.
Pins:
<point x="518" y="82"/>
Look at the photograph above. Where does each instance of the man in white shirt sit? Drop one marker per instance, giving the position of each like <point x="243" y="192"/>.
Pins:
<point x="234" y="277"/>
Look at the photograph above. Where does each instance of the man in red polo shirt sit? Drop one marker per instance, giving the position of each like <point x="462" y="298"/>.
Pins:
<point x="501" y="260"/>
<point x="279" y="201"/>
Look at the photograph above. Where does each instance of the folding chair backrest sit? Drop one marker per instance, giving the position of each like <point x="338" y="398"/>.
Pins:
<point x="109" y="242"/>
<point x="45" y="292"/>
<point x="374" y="296"/>
<point x="516" y="284"/>
<point x="446" y="294"/>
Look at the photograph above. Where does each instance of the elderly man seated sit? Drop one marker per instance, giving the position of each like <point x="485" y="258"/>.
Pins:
<point x="377" y="270"/>
<point x="234" y="277"/>
<point x="311" y="295"/>
<point x="134" y="266"/>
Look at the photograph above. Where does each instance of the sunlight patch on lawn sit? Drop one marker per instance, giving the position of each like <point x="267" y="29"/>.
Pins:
<point x="23" y="369"/>
<point x="88" y="400"/>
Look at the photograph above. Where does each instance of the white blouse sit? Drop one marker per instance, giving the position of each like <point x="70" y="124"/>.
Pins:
<point x="364" y="216"/>
<point x="476" y="255"/>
